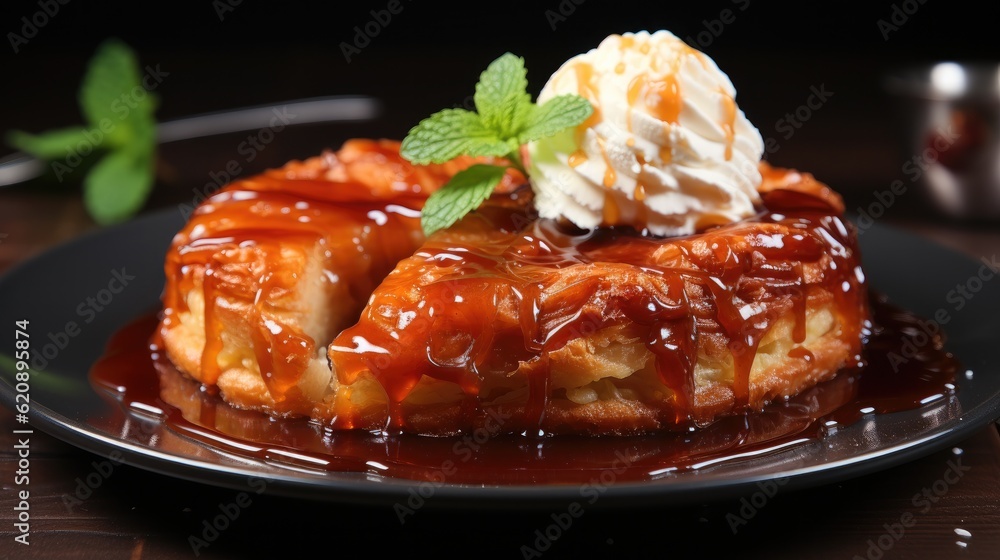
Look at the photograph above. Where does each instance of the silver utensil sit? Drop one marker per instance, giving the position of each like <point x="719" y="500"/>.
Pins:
<point x="21" y="167"/>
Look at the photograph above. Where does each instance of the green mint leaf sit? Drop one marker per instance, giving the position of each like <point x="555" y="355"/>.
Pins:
<point x="463" y="194"/>
<point x="120" y="119"/>
<point x="501" y="96"/>
<point x="109" y="91"/>
<point x="448" y="134"/>
<point x="142" y="136"/>
<point x="556" y="114"/>
<point x="506" y="119"/>
<point x="51" y="145"/>
<point x="117" y="186"/>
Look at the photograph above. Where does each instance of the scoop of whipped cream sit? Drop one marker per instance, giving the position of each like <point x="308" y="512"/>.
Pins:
<point x="666" y="148"/>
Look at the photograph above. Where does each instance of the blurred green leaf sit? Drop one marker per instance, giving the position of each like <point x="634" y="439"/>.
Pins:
<point x="54" y="144"/>
<point x="120" y="123"/>
<point x="111" y="75"/>
<point x="117" y="186"/>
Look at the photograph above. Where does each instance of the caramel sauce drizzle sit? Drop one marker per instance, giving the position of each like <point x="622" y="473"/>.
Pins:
<point x="366" y="205"/>
<point x="666" y="155"/>
<point x="659" y="96"/>
<point x="516" y="259"/>
<point x="610" y="175"/>
<point x="610" y="211"/>
<point x="658" y="93"/>
<point x="587" y="87"/>
<point x="135" y="374"/>
<point x="262" y="222"/>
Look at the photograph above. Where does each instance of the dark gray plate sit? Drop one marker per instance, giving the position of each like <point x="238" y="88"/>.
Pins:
<point x="52" y="291"/>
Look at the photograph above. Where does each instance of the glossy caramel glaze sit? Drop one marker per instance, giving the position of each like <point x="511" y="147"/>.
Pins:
<point x="480" y="318"/>
<point x="484" y="305"/>
<point x="249" y="251"/>
<point x="136" y="375"/>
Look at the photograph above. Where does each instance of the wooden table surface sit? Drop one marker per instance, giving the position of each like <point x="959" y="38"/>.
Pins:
<point x="137" y="514"/>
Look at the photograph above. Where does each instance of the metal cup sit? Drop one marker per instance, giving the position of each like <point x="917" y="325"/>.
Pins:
<point x="951" y="124"/>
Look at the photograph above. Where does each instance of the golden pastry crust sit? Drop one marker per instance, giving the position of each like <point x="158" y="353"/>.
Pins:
<point x="536" y="326"/>
<point x="270" y="268"/>
<point x="562" y="331"/>
<point x="609" y="387"/>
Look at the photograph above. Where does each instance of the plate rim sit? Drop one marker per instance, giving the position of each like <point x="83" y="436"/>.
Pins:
<point x="467" y="496"/>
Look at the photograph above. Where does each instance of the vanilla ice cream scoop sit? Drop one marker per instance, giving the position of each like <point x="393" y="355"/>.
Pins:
<point x="666" y="149"/>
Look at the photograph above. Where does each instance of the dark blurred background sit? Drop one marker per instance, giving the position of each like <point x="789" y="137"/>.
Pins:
<point x="221" y="54"/>
<point x="227" y="53"/>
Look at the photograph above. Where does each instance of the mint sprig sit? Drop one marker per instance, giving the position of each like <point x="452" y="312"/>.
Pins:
<point x="505" y="118"/>
<point x="120" y="125"/>
<point x="466" y="190"/>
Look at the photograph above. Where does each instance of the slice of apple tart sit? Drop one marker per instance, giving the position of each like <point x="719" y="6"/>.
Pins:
<point x="270" y="268"/>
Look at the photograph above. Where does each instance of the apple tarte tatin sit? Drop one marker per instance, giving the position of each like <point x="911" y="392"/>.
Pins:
<point x="311" y="291"/>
